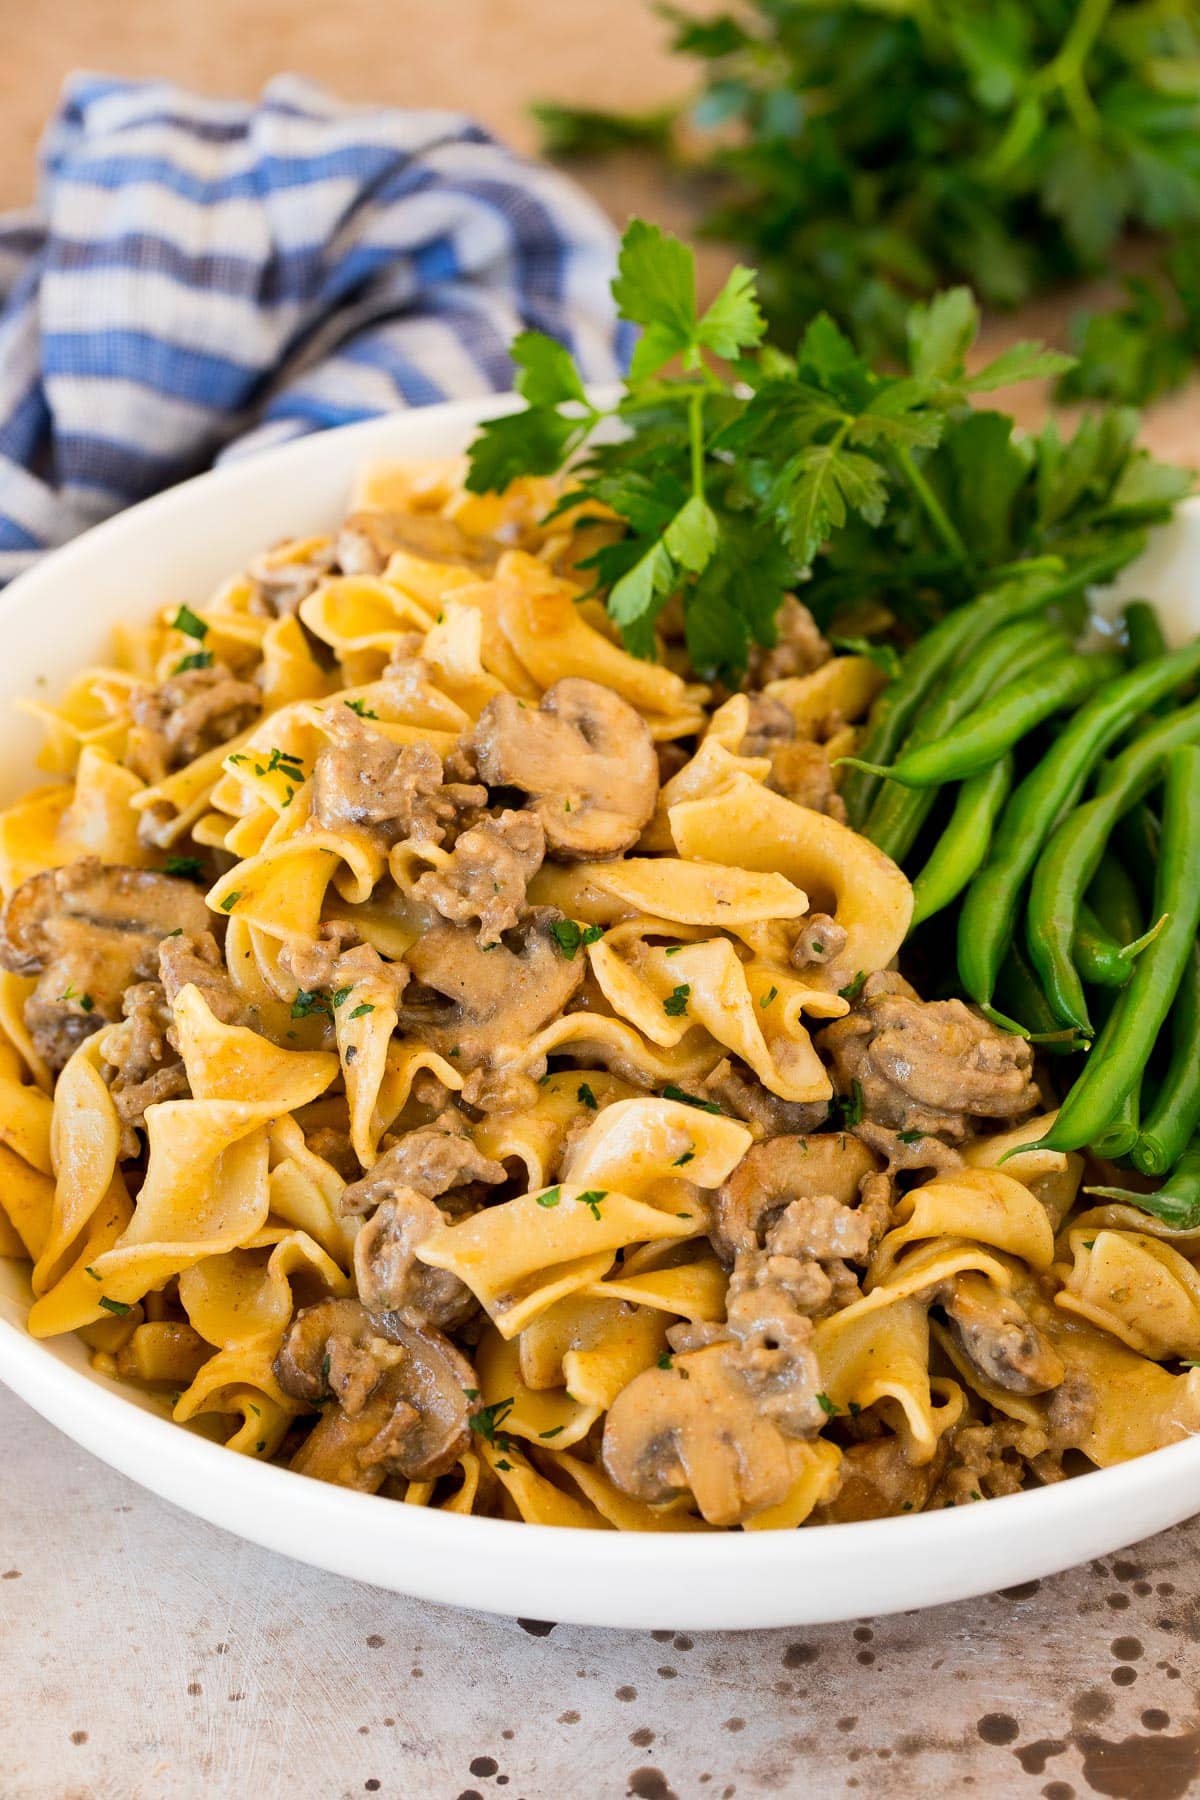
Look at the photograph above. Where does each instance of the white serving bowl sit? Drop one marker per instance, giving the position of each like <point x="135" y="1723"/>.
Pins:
<point x="56" y="619"/>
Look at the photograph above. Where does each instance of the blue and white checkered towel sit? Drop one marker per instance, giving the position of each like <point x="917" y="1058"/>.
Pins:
<point x="200" y="279"/>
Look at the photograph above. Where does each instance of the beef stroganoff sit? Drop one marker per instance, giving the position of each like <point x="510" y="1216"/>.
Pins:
<point x="463" y="1061"/>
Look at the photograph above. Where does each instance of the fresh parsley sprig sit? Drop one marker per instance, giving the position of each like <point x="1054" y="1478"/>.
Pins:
<point x="735" y="485"/>
<point x="865" y="153"/>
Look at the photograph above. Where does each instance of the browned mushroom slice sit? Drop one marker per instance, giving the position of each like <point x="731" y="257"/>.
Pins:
<point x="389" y="1277"/>
<point x="585" y="758"/>
<point x="998" y="1338"/>
<point x="368" y="540"/>
<point x="928" y="1066"/>
<point x="695" y="1428"/>
<point x="90" y="931"/>
<point x="401" y="1395"/>
<point x="772" y="1175"/>
<point x="494" y="998"/>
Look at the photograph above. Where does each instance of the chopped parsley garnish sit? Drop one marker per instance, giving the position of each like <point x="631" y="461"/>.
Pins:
<point x="771" y="994"/>
<point x="361" y="1011"/>
<point x="256" y="1410"/>
<point x="671" y="1092"/>
<point x="852" y="1107"/>
<point x="502" y="1464"/>
<point x="90" y="1271"/>
<point x="186" y="620"/>
<point x="188" y="868"/>
<point x="585" y="1096"/>
<point x="592" y="1200"/>
<point x="231" y="900"/>
<point x="854" y="1409"/>
<point x="488" y="1420"/>
<point x="854" y="988"/>
<point x="672" y="949"/>
<point x="687" y="1157"/>
<point x="261" y="1445"/>
<point x="910" y="1137"/>
<point x="361" y="708"/>
<point x="195" y="659"/>
<point x="290" y="765"/>
<point x="569" y="935"/>
<point x="68" y="993"/>
<point x="552" y="1433"/>
<point x="1089" y="1243"/>
<point x="471" y="1393"/>
<point x="326" y="1365"/>
<point x="87" y="1003"/>
<point x="664" y="1361"/>
<point x="828" y="1407"/>
<point x="551" y="1197"/>
<point x="676" y="1003"/>
<point x="309" y="1000"/>
<point x="340" y="995"/>
<point x="114" y="1306"/>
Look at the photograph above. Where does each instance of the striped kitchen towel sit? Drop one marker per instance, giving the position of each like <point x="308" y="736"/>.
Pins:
<point x="199" y="279"/>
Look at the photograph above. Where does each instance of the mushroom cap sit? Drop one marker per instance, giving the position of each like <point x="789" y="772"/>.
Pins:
<point x="585" y="758"/>
<point x="410" y="1420"/>
<point x="495" y="997"/>
<point x="109" y="896"/>
<point x="695" y="1427"/>
<point x="781" y="1169"/>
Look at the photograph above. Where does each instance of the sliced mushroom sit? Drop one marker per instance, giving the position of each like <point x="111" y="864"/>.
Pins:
<point x="928" y="1066"/>
<point x="585" y="758"/>
<point x="401" y="1395"/>
<point x="998" y="1338"/>
<point x="496" y="997"/>
<point x="772" y="1175"/>
<point x="90" y="931"/>
<point x="695" y="1428"/>
<point x="389" y="1277"/>
<point x="368" y="540"/>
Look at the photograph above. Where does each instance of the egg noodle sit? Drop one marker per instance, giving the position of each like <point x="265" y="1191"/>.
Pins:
<point x="455" y="1057"/>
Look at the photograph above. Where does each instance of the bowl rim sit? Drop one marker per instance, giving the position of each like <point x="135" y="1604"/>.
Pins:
<point x="703" y="1580"/>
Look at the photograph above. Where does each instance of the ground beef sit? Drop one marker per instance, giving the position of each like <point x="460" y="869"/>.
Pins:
<point x="488" y="873"/>
<point x="186" y="715"/>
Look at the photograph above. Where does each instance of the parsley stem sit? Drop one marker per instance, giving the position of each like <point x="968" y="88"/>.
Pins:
<point x="696" y="435"/>
<point x="934" y="509"/>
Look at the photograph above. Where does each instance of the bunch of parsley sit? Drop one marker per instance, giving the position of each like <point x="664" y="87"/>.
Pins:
<point x="868" y="152"/>
<point x="811" y="472"/>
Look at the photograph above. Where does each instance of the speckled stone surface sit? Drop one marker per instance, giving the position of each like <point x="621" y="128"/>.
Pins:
<point x="147" y="1656"/>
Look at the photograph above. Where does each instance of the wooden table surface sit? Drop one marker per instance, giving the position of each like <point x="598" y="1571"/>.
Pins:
<point x="147" y="1656"/>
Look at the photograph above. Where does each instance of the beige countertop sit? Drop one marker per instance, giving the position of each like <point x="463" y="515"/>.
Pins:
<point x="147" y="1656"/>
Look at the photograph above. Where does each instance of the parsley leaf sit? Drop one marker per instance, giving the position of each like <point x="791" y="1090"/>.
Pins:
<point x="488" y="1420"/>
<point x="185" y="620"/>
<point x="586" y="1097"/>
<point x="187" y="868"/>
<point x="361" y="708"/>
<point x="115" y="1306"/>
<point x="195" y="659"/>
<point x="671" y="1092"/>
<point x="676" y="1003"/>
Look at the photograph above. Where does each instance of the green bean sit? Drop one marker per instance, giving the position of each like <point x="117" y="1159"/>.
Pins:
<point x="896" y="817"/>
<point x="1070" y="860"/>
<point x="1017" y="989"/>
<point x="1119" y="1055"/>
<point x="1176" y="1203"/>
<point x="1040" y="583"/>
<point x="1175" y="1116"/>
<point x="1037" y="804"/>
<point x="1102" y="959"/>
<point x="1143" y="632"/>
<point x="1011" y="714"/>
<point x="1137" y="836"/>
<point x="1121" y="1133"/>
<point x="1114" y="898"/>
<point x="964" y="843"/>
